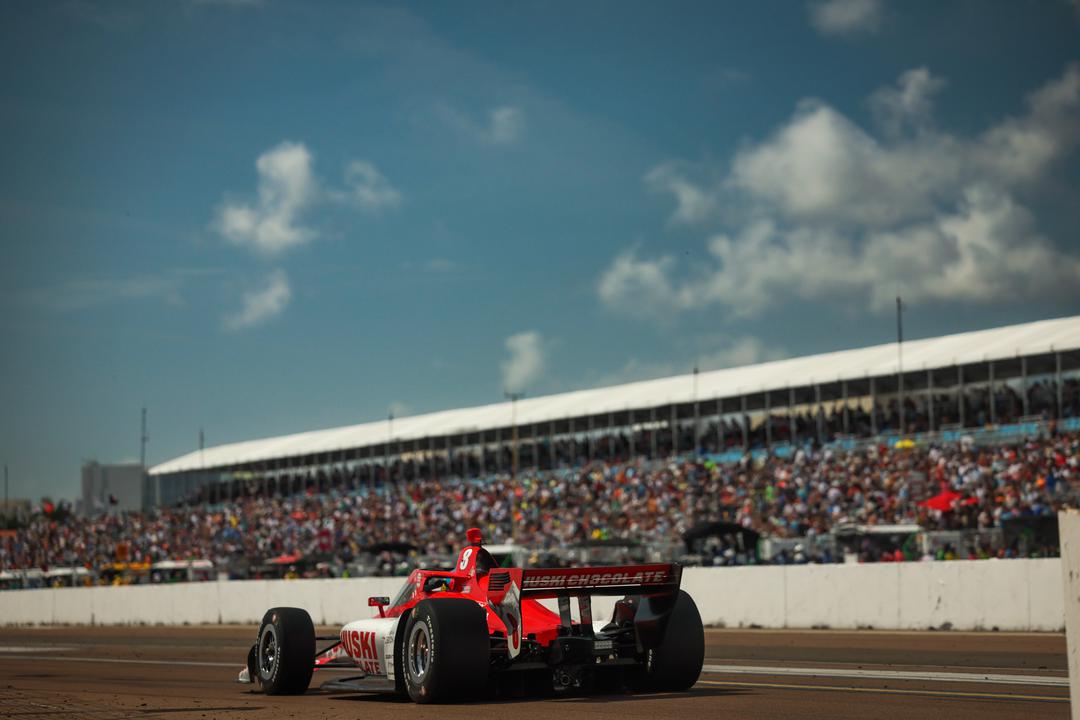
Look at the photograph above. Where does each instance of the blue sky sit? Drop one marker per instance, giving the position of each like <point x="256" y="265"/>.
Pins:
<point x="264" y="217"/>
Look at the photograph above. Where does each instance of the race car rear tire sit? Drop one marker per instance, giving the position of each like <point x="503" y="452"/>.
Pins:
<point x="285" y="651"/>
<point x="675" y="664"/>
<point x="447" y="651"/>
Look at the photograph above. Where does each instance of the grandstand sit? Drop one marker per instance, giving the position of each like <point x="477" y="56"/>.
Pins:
<point x="802" y="460"/>
<point x="947" y="383"/>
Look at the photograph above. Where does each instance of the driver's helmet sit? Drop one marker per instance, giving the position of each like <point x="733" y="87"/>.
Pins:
<point x="438" y="584"/>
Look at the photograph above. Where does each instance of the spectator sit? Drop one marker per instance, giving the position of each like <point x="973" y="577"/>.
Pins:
<point x="805" y="495"/>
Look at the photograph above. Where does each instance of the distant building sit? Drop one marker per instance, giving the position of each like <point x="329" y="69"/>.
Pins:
<point x="114" y="488"/>
<point x="16" y="509"/>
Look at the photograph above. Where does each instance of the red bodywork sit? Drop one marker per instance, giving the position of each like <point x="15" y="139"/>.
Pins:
<point x="523" y="634"/>
<point x="511" y="595"/>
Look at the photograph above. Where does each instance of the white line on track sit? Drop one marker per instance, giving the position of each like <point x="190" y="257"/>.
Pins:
<point x="983" y="678"/>
<point x="133" y="661"/>
<point x="138" y="661"/>
<point x="802" y="687"/>
<point x="927" y="675"/>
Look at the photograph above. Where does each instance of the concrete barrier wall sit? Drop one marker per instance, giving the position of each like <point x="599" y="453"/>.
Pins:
<point x="961" y="595"/>
<point x="958" y="595"/>
<point x="1069" y="528"/>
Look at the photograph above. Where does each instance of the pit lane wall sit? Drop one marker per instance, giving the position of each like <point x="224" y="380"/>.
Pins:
<point x="959" y="595"/>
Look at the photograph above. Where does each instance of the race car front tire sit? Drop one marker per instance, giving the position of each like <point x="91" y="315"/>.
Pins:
<point x="676" y="663"/>
<point x="285" y="651"/>
<point x="447" y="651"/>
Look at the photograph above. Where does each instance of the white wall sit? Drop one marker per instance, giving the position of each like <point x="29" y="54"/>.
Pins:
<point x="1069" y="527"/>
<point x="962" y="595"/>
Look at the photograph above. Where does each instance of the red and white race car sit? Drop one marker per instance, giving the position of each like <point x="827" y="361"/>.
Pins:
<point x="481" y="628"/>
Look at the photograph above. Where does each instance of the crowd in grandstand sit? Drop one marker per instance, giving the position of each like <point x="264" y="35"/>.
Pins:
<point x="733" y="433"/>
<point x="803" y="495"/>
<point x="857" y="420"/>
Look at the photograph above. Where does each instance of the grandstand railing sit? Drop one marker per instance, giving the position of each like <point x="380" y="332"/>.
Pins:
<point x="990" y="435"/>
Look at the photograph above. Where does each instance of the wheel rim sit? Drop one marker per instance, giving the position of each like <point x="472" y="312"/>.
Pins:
<point x="419" y="651"/>
<point x="268" y="651"/>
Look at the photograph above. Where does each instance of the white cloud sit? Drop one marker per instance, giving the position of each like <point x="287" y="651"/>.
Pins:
<point x="988" y="247"/>
<point x="262" y="304"/>
<point x="399" y="409"/>
<point x="526" y="362"/>
<point x="762" y="266"/>
<point x="505" y="125"/>
<point x="369" y="188"/>
<point x="693" y="202"/>
<point x="984" y="250"/>
<point x="502" y="125"/>
<point x="287" y="189"/>
<point x="633" y="285"/>
<point x="829" y="211"/>
<point x="725" y="352"/>
<point x="1021" y="149"/>
<point x="909" y="104"/>
<point x="847" y="17"/>
<point x="822" y="167"/>
<point x="740" y="351"/>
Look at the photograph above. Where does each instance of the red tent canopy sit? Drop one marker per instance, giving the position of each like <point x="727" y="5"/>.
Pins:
<point x="944" y="500"/>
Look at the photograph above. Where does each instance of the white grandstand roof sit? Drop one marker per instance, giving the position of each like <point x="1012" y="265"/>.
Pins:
<point x="1034" y="338"/>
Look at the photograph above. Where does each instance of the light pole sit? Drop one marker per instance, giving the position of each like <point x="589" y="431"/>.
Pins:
<point x="697" y="414"/>
<point x="513" y="397"/>
<point x="202" y="457"/>
<point x="389" y="440"/>
<point x="900" y="358"/>
<point x="144" y="438"/>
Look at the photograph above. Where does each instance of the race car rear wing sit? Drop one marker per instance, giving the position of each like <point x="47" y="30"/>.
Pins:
<point x="623" y="580"/>
<point x="657" y="584"/>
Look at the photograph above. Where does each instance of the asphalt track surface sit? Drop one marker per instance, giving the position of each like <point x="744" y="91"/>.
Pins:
<point x="189" y="672"/>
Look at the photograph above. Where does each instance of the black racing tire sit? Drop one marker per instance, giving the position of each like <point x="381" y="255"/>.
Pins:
<point x="399" y="656"/>
<point x="285" y="651"/>
<point x="253" y="663"/>
<point x="447" y="651"/>
<point x="675" y="665"/>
